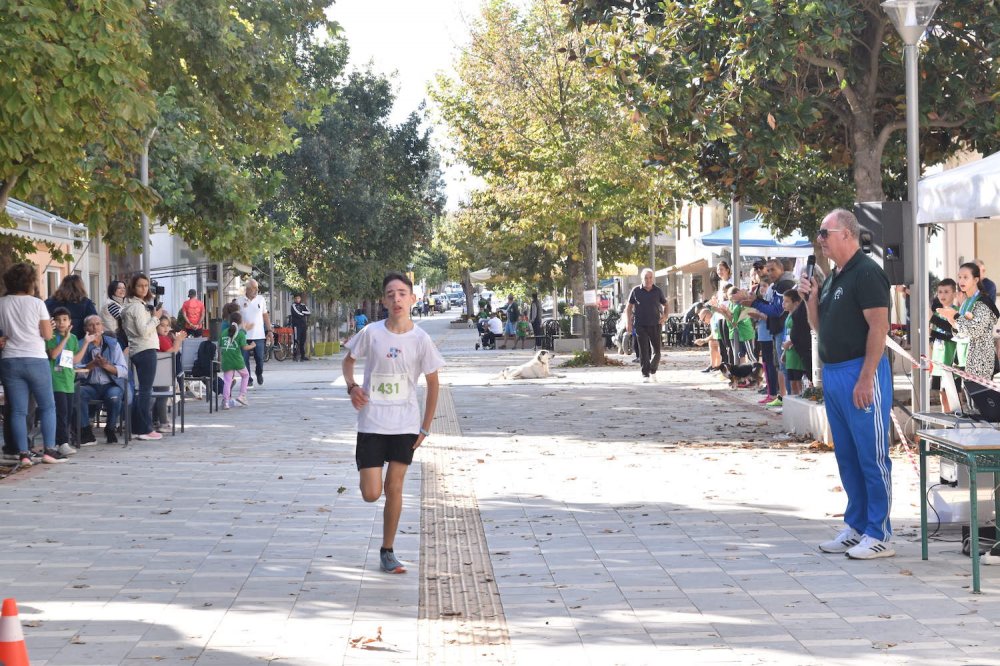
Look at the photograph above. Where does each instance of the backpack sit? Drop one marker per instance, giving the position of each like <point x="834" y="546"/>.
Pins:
<point x="203" y="361"/>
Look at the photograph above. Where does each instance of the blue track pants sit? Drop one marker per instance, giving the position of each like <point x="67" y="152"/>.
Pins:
<point x="861" y="444"/>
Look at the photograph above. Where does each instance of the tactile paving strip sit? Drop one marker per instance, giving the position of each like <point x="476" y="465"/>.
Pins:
<point x="461" y="617"/>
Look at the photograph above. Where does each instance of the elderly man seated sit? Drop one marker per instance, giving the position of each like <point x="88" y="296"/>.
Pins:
<point x="107" y="373"/>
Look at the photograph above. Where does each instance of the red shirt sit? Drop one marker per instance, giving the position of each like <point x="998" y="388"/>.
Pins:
<point x="166" y="344"/>
<point x="193" y="310"/>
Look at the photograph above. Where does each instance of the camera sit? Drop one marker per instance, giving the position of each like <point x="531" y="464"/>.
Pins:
<point x="157" y="290"/>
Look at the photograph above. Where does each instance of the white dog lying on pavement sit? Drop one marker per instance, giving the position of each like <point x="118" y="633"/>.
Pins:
<point x="536" y="368"/>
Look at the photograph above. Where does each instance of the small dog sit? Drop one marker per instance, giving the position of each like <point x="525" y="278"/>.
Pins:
<point x="743" y="376"/>
<point x="536" y="368"/>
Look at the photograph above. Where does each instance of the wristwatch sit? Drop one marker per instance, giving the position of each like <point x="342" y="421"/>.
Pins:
<point x="351" y="387"/>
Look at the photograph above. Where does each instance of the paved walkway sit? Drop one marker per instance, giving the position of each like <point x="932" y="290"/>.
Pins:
<point x="623" y="523"/>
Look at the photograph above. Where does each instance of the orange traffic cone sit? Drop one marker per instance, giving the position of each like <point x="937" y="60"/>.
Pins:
<point x="13" y="651"/>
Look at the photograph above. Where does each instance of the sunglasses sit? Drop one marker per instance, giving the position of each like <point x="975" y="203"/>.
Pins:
<point x="825" y="233"/>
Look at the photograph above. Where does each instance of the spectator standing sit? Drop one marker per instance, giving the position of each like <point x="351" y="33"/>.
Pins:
<point x="111" y="313"/>
<point x="72" y="295"/>
<point x="943" y="345"/>
<point x="194" y="315"/>
<point x="107" y="372"/>
<point x="790" y="361"/>
<point x="300" y="326"/>
<point x="65" y="351"/>
<point x="360" y="320"/>
<point x="140" y="318"/>
<point x="850" y="314"/>
<point x="513" y="315"/>
<point x="765" y="291"/>
<point x="987" y="286"/>
<point x="535" y="318"/>
<point x="253" y="309"/>
<point x="721" y="300"/>
<point x="646" y="312"/>
<point x="974" y="320"/>
<point x="523" y="331"/>
<point x="24" y="367"/>
<point x="741" y="326"/>
<point x="232" y="344"/>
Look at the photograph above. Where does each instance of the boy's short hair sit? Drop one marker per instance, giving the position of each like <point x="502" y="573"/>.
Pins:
<point x="792" y="295"/>
<point x="731" y="289"/>
<point x="191" y="292"/>
<point x="61" y="312"/>
<point x="947" y="282"/>
<point x="396" y="276"/>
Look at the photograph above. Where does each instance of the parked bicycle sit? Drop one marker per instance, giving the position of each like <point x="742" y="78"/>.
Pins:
<point x="281" y="348"/>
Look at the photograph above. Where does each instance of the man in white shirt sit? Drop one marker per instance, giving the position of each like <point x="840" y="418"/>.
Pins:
<point x="257" y="321"/>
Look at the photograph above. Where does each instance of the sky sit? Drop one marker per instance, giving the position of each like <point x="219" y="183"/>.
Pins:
<point x="412" y="40"/>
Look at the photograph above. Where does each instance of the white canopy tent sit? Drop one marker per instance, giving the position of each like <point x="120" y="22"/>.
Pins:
<point x="968" y="193"/>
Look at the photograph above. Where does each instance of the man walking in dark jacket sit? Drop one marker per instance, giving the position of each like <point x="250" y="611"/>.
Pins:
<point x="300" y="320"/>
<point x="647" y="308"/>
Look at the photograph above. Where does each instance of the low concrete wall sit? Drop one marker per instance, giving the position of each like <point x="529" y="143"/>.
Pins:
<point x="569" y="345"/>
<point x="461" y="324"/>
<point x="805" y="417"/>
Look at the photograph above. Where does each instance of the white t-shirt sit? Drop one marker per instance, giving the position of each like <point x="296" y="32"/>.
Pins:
<point x="19" y="318"/>
<point x="252" y="311"/>
<point x="495" y="325"/>
<point x="393" y="364"/>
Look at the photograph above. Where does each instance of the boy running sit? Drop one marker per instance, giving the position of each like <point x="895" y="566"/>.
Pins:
<point x="389" y="422"/>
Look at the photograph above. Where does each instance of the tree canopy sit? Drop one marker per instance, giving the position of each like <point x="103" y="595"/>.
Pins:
<point x="358" y="193"/>
<point x="794" y="107"/>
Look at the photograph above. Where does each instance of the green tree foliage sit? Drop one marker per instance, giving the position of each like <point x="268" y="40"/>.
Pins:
<point x="73" y="86"/>
<point x="795" y="107"/>
<point x="557" y="153"/>
<point x="218" y="85"/>
<point x="359" y="193"/>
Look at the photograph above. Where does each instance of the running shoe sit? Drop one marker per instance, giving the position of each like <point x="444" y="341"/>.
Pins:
<point x="777" y="402"/>
<point x="848" y="538"/>
<point x="52" y="457"/>
<point x="766" y="399"/>
<point x="871" y="548"/>
<point x="66" y="450"/>
<point x="390" y="564"/>
<point x="243" y="400"/>
<point x="25" y="460"/>
<point x="150" y="435"/>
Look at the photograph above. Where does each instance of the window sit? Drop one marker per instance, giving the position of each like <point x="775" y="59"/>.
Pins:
<point x="52" y="279"/>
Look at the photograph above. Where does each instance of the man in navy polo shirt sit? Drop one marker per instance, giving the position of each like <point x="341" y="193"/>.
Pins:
<point x="646" y="311"/>
<point x="850" y="314"/>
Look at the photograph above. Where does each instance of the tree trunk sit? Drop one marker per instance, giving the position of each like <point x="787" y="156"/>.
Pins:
<point x="467" y="289"/>
<point x="867" y="160"/>
<point x="594" y="339"/>
<point x="574" y="269"/>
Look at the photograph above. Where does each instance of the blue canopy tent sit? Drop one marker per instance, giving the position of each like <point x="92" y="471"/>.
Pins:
<point x="758" y="241"/>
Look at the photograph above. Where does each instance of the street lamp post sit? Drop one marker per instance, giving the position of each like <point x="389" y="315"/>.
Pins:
<point x="911" y="18"/>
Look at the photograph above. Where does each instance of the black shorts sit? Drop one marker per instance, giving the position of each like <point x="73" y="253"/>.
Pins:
<point x="936" y="383"/>
<point x="795" y="375"/>
<point x="375" y="449"/>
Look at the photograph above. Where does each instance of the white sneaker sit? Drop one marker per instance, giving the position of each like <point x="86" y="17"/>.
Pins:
<point x="871" y="548"/>
<point x="652" y="378"/>
<point x="225" y="404"/>
<point x="66" y="450"/>
<point x="849" y="538"/>
<point x="243" y="401"/>
<point x="645" y="379"/>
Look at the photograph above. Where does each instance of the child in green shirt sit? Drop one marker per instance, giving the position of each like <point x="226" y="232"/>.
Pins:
<point x="232" y="342"/>
<point x="523" y="331"/>
<point x="65" y="351"/>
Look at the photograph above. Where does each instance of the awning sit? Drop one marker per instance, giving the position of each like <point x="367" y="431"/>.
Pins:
<point x="39" y="225"/>
<point x="758" y="241"/>
<point x="690" y="267"/>
<point x="963" y="194"/>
